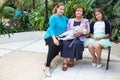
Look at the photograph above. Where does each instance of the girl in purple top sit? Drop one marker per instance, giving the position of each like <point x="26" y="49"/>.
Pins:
<point x="74" y="48"/>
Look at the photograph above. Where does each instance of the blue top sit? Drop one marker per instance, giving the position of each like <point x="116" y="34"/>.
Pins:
<point x="17" y="13"/>
<point x="57" y="25"/>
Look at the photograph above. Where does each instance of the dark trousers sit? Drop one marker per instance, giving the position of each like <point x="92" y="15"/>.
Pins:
<point x="53" y="50"/>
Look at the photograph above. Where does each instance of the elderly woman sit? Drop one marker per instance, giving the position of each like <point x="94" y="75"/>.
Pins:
<point x="73" y="49"/>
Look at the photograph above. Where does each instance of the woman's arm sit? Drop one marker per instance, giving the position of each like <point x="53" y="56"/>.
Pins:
<point x="55" y="41"/>
<point x="106" y="36"/>
<point x="52" y="25"/>
<point x="52" y="28"/>
<point x="79" y="32"/>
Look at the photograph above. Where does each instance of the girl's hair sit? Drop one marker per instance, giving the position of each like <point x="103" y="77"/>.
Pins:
<point x="57" y="6"/>
<point x="77" y="8"/>
<point x="101" y="11"/>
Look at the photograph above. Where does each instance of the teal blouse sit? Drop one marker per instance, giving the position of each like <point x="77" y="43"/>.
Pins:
<point x="57" y="25"/>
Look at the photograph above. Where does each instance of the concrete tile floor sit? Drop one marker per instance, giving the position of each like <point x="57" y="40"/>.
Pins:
<point x="24" y="60"/>
<point x="21" y="65"/>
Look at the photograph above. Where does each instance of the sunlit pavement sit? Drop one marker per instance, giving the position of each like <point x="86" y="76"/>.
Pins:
<point x="24" y="60"/>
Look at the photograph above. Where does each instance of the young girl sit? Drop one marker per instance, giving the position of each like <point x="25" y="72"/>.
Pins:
<point x="57" y="25"/>
<point x="99" y="37"/>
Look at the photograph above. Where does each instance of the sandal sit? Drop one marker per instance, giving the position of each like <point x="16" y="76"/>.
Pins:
<point x="71" y="63"/>
<point x="64" y="68"/>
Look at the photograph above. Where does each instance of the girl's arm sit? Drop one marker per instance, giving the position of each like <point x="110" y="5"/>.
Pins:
<point x="104" y="37"/>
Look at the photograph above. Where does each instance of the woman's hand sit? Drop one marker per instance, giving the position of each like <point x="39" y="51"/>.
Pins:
<point x="78" y="33"/>
<point x="84" y="25"/>
<point x="56" y="42"/>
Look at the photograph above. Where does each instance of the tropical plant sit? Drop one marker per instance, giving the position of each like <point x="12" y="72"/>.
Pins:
<point x="4" y="28"/>
<point x="24" y="22"/>
<point x="1" y="7"/>
<point x="37" y="16"/>
<point x="87" y="4"/>
<point x="8" y="12"/>
<point x="116" y="33"/>
<point x="116" y="22"/>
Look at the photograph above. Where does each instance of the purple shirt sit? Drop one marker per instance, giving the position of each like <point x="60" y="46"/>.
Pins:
<point x="83" y="21"/>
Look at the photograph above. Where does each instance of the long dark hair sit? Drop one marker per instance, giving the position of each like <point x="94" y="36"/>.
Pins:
<point x="57" y="6"/>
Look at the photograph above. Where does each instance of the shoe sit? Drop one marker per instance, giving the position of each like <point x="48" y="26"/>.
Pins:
<point x="94" y="64"/>
<point x="47" y="73"/>
<point x="99" y="65"/>
<point x="64" y="68"/>
<point x="71" y="63"/>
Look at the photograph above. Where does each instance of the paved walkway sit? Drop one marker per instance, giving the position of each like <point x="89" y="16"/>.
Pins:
<point x="24" y="60"/>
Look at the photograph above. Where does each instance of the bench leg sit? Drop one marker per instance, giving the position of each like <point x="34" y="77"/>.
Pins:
<point x="108" y="59"/>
